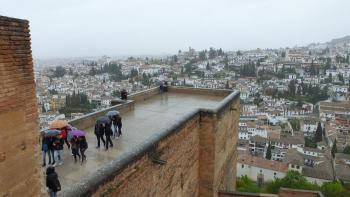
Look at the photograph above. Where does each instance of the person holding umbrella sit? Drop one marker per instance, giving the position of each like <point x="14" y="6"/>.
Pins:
<point x="45" y="149"/>
<point x="50" y="134"/>
<point x="63" y="126"/>
<point x="114" y="126"/>
<point x="108" y="132"/>
<point x="83" y="145"/>
<point x="75" y="147"/>
<point x="58" y="147"/>
<point x="100" y="129"/>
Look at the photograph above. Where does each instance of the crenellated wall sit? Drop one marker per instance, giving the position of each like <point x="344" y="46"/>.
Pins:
<point x="19" y="163"/>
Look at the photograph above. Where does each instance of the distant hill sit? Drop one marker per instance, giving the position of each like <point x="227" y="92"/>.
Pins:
<point x="336" y="41"/>
<point x="332" y="43"/>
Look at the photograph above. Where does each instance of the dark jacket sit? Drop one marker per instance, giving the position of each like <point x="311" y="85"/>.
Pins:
<point x="74" y="143"/>
<point x="58" y="143"/>
<point x="45" y="144"/>
<point x="51" y="143"/>
<point x="108" y="130"/>
<point x="99" y="129"/>
<point x="83" y="143"/>
<point x="52" y="181"/>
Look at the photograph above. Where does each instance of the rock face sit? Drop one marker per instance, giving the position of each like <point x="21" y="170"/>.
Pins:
<point x="19" y="166"/>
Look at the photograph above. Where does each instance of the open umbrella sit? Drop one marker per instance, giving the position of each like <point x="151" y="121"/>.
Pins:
<point x="51" y="132"/>
<point x="75" y="132"/>
<point x="113" y="113"/>
<point x="58" y="124"/>
<point x="103" y="120"/>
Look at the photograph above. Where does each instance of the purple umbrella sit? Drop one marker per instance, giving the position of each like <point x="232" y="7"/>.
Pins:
<point x="75" y="132"/>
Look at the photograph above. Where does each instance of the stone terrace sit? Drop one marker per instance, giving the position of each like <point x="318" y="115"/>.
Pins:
<point x="146" y="119"/>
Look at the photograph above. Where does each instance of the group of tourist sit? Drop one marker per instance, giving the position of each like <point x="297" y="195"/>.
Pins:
<point x="55" y="138"/>
<point x="107" y="127"/>
<point x="52" y="146"/>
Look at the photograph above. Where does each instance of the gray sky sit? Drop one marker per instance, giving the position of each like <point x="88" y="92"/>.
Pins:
<point x="68" y="28"/>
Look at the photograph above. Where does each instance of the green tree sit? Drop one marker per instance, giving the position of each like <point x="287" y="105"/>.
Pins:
<point x="334" y="148"/>
<point x="208" y="66"/>
<point x="334" y="189"/>
<point x="346" y="150"/>
<point x="292" y="88"/>
<point x="293" y="180"/>
<point x="309" y="142"/>
<point x="134" y="73"/>
<point x="340" y="77"/>
<point x="212" y="53"/>
<point x="283" y="54"/>
<point x="268" y="152"/>
<point x="248" y="70"/>
<point x="313" y="70"/>
<point x="295" y="123"/>
<point x="328" y="64"/>
<point x="226" y="63"/>
<point x="202" y="55"/>
<point x="318" y="134"/>
<point x="244" y="184"/>
<point x="59" y="72"/>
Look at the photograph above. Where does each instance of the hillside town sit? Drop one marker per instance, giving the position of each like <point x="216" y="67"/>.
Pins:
<point x="295" y="109"/>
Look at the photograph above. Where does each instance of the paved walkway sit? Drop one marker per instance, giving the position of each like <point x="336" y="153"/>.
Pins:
<point x="147" y="118"/>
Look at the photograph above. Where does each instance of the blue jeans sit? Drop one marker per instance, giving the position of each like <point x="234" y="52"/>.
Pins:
<point x="52" y="193"/>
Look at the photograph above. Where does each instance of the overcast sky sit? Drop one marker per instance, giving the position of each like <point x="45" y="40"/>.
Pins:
<point x="70" y="28"/>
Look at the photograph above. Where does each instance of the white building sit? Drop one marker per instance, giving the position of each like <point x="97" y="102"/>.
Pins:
<point x="253" y="167"/>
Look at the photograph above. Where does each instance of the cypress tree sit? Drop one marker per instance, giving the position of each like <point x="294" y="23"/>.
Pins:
<point x="334" y="148"/>
<point x="268" y="152"/>
<point x="318" y="134"/>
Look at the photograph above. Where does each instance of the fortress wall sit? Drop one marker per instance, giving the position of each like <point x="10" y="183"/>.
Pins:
<point x="19" y="158"/>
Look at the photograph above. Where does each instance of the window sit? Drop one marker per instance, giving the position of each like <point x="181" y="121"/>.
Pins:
<point x="298" y="167"/>
<point x="274" y="174"/>
<point x="242" y="166"/>
<point x="292" y="165"/>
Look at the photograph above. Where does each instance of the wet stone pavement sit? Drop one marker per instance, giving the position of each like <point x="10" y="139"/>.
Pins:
<point x="147" y="118"/>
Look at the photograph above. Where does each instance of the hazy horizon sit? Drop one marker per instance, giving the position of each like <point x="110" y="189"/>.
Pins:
<point x="82" y="28"/>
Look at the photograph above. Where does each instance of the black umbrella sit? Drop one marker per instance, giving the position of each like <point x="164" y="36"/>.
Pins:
<point x="103" y="120"/>
<point x="113" y="113"/>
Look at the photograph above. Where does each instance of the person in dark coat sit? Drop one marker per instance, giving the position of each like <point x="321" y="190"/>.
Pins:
<point x="52" y="182"/>
<point x="58" y="143"/>
<point x="108" y="132"/>
<point x="51" y="150"/>
<point x="119" y="125"/>
<point x="75" y="147"/>
<point x="99" y="132"/>
<point x="124" y="95"/>
<point x="83" y="145"/>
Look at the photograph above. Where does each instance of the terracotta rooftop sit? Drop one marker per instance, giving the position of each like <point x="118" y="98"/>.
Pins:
<point x="261" y="163"/>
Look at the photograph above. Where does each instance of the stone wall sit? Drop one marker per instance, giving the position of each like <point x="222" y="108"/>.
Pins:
<point x="144" y="95"/>
<point x="178" y="177"/>
<point x="19" y="166"/>
<point x="89" y="120"/>
<point x="200" y="156"/>
<point x="283" y="192"/>
<point x="202" y="91"/>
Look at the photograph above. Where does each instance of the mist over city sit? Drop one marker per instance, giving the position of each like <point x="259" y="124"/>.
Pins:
<point x="224" y="98"/>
